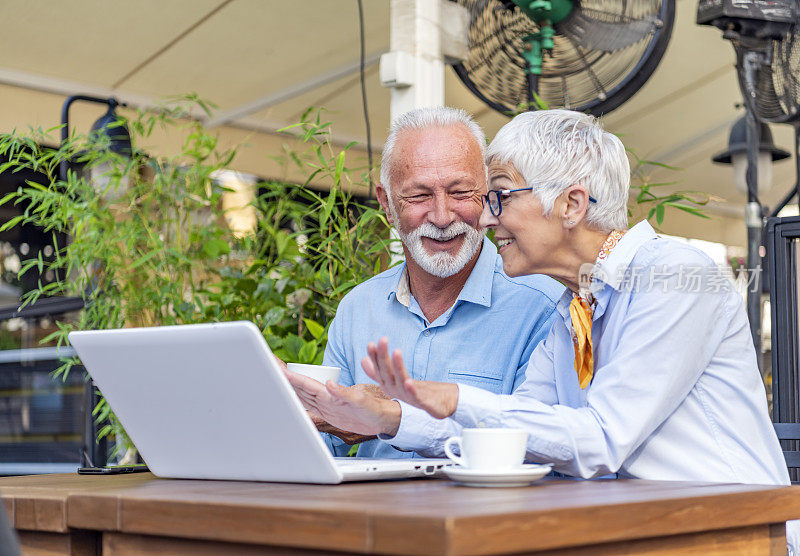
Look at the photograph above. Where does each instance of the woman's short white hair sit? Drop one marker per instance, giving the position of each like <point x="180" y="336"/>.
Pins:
<point x="554" y="149"/>
<point x="422" y="118"/>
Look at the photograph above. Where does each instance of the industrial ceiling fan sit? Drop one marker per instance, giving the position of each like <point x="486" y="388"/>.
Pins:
<point x="585" y="55"/>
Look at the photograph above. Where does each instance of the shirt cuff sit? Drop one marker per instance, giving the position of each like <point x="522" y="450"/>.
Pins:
<point x="477" y="408"/>
<point x="414" y="431"/>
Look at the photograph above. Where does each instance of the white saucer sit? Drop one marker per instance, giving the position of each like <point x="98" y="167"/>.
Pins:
<point x="517" y="477"/>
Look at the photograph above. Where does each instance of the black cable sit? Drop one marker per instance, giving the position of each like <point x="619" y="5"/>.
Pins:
<point x="364" y="96"/>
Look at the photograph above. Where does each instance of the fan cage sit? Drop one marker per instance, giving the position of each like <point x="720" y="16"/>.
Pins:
<point x="776" y="96"/>
<point x="573" y="77"/>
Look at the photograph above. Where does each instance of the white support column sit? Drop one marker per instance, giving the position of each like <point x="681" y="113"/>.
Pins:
<point x="414" y="68"/>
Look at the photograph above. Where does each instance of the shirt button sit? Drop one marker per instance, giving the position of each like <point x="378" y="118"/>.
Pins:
<point x="427" y="332"/>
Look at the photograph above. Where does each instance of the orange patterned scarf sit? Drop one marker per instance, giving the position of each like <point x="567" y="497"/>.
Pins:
<point x="581" y="310"/>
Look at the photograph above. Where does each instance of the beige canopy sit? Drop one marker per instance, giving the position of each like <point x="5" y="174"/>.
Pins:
<point x="264" y="61"/>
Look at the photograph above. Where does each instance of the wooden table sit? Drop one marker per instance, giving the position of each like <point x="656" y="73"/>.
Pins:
<point x="140" y="514"/>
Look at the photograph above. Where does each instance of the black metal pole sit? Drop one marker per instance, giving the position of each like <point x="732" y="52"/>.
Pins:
<point x="797" y="161"/>
<point x="93" y="453"/>
<point x="87" y="438"/>
<point x="795" y="190"/>
<point x="533" y="89"/>
<point x="754" y="223"/>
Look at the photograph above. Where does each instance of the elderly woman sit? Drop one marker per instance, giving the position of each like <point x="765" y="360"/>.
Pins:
<point x="649" y="372"/>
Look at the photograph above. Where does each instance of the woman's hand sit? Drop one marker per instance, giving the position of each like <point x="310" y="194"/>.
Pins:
<point x="440" y="399"/>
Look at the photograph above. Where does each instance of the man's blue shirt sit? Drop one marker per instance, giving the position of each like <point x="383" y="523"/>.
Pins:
<point x="485" y="339"/>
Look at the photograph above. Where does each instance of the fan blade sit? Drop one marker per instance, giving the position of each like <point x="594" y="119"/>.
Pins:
<point x="767" y="101"/>
<point x="587" y="28"/>
<point x="773" y="95"/>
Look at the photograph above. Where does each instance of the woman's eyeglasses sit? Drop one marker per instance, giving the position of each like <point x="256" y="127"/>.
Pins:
<point x="494" y="198"/>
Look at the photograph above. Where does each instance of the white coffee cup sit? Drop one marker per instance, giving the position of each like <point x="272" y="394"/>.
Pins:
<point x="488" y="449"/>
<point x="322" y="373"/>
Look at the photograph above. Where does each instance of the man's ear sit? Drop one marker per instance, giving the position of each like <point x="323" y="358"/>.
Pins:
<point x="383" y="199"/>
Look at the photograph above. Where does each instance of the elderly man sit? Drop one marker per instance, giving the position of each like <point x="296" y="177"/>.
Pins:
<point x="438" y="305"/>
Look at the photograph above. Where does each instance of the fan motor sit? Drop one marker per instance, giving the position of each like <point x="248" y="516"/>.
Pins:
<point x="759" y="19"/>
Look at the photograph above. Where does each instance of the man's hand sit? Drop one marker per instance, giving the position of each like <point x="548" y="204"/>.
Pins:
<point x="440" y="399"/>
<point x="349" y="438"/>
<point x="281" y="363"/>
<point x="361" y="409"/>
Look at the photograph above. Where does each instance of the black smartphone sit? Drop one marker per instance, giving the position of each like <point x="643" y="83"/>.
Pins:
<point x="112" y="470"/>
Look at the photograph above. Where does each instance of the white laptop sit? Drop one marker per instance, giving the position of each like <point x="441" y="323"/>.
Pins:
<point x="209" y="401"/>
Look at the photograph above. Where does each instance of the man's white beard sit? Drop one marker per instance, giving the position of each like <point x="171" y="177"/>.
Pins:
<point x="441" y="264"/>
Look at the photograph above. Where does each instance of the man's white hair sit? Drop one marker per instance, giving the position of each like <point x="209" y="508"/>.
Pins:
<point x="423" y="118"/>
<point x="554" y="149"/>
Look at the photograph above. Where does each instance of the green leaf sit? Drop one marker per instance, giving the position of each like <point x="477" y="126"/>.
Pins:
<point x="289" y="127"/>
<point x="659" y="164"/>
<point x="273" y="316"/>
<point x="307" y="352"/>
<point x="316" y="329"/>
<point x="141" y="260"/>
<point x="264" y="288"/>
<point x="8" y="196"/>
<point x="660" y="209"/>
<point x="103" y="432"/>
<point x="321" y="158"/>
<point x="327" y="208"/>
<point x="344" y="288"/>
<point x="11" y="223"/>
<point x="216" y="247"/>
<point x="281" y="284"/>
<point x="246" y="285"/>
<point x="690" y="210"/>
<point x="282" y="242"/>
<point x="337" y="174"/>
<point x="52" y="336"/>
<point x="311" y="177"/>
<point x="293" y="344"/>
